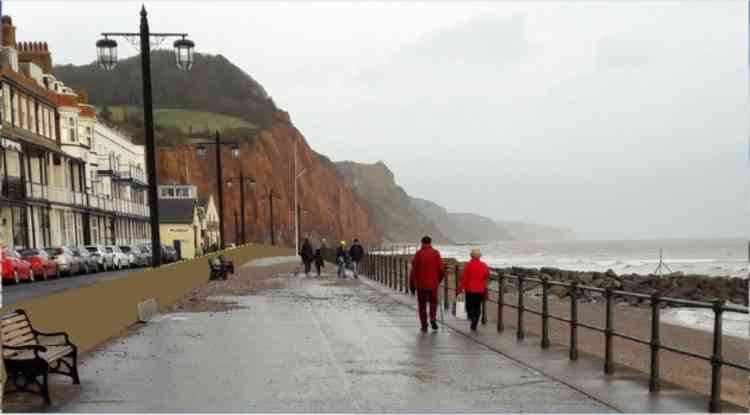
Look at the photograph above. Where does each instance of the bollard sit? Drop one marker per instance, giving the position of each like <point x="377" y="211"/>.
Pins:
<point x="609" y="367"/>
<point x="500" y="303"/>
<point x="653" y="381"/>
<point x="519" y="333"/>
<point x="545" y="313"/>
<point x="714" y="404"/>
<point x="574" y="321"/>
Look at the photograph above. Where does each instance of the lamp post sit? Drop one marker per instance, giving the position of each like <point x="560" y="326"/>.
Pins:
<point x="242" y="180"/>
<point x="300" y="212"/>
<point x="107" y="59"/>
<point x="297" y="175"/>
<point x="271" y="195"/>
<point x="201" y="150"/>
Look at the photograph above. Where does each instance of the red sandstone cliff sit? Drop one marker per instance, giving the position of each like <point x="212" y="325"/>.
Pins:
<point x="333" y="211"/>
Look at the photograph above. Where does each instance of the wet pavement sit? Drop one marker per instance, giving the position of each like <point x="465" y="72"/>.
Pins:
<point x="308" y="345"/>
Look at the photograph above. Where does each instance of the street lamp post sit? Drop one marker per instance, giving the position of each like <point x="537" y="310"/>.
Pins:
<point x="107" y="59"/>
<point x="300" y="212"/>
<point x="297" y="176"/>
<point x="201" y="150"/>
<point x="271" y="195"/>
<point x="242" y="180"/>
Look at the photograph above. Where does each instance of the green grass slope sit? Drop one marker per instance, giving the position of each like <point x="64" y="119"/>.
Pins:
<point x="185" y="120"/>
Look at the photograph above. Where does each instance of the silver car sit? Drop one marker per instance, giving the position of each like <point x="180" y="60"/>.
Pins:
<point x="104" y="259"/>
<point x="68" y="263"/>
<point x="121" y="259"/>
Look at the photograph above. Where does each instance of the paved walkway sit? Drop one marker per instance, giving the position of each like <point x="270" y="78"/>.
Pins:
<point x="309" y="345"/>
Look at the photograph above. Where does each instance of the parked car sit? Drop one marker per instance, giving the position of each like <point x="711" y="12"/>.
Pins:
<point x="104" y="260"/>
<point x="41" y="263"/>
<point x="169" y="254"/>
<point x="134" y="257"/>
<point x="66" y="262"/>
<point x="88" y="262"/>
<point x="14" y="267"/>
<point x="145" y="250"/>
<point x="121" y="259"/>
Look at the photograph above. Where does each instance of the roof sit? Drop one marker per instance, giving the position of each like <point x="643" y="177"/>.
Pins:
<point x="177" y="210"/>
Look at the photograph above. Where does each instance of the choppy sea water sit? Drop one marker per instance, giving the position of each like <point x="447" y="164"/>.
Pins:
<point x="715" y="257"/>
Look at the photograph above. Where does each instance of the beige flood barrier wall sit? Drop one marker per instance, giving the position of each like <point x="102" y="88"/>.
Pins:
<point x="95" y="313"/>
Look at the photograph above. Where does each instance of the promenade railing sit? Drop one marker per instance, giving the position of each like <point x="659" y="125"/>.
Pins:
<point x="393" y="271"/>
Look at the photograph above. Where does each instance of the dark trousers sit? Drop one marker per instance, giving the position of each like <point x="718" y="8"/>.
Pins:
<point x="307" y="267"/>
<point x="318" y="267"/>
<point x="423" y="297"/>
<point x="474" y="306"/>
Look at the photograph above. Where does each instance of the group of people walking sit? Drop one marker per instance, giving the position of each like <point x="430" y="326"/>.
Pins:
<point x="427" y="273"/>
<point x="345" y="258"/>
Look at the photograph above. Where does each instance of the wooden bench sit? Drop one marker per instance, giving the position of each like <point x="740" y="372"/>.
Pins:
<point x="218" y="270"/>
<point x="229" y="265"/>
<point x="29" y="354"/>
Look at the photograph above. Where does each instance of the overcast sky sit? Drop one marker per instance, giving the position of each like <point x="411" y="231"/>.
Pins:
<point x="620" y="119"/>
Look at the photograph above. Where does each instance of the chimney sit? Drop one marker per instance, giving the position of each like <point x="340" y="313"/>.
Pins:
<point x="36" y="52"/>
<point x="83" y="95"/>
<point x="9" y="33"/>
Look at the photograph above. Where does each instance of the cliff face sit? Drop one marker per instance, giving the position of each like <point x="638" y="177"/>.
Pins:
<point x="389" y="205"/>
<point x="535" y="232"/>
<point x="461" y="227"/>
<point x="333" y="211"/>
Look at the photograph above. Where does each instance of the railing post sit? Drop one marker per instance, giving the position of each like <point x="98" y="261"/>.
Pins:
<point x="455" y="282"/>
<point x="484" y="307"/>
<point x="500" y="302"/>
<point x="609" y="330"/>
<point x="545" y="313"/>
<point x="653" y="381"/>
<point x="574" y="321"/>
<point x="520" y="333"/>
<point x="446" y="302"/>
<point x="714" y="404"/>
<point x="392" y="274"/>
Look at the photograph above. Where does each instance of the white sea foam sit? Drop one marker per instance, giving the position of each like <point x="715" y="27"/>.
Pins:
<point x="734" y="324"/>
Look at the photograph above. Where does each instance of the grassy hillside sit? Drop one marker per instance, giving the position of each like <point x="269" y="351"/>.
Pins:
<point x="186" y="120"/>
<point x="213" y="85"/>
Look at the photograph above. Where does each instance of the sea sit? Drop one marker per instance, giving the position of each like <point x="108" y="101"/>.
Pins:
<point x="714" y="257"/>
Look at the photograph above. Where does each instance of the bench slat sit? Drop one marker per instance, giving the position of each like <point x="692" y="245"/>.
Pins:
<point x="9" y="329"/>
<point x="18" y="333"/>
<point x="13" y="318"/>
<point x="25" y="340"/>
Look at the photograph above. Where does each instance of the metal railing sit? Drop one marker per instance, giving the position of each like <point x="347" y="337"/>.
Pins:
<point x="393" y="271"/>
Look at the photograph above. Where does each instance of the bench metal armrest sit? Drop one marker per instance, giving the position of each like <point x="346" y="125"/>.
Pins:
<point x="33" y="347"/>
<point x="49" y="342"/>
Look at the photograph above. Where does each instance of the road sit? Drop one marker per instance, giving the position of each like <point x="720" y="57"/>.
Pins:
<point x="308" y="345"/>
<point x="12" y="294"/>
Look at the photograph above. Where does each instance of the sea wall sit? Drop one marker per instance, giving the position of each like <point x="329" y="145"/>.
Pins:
<point x="675" y="285"/>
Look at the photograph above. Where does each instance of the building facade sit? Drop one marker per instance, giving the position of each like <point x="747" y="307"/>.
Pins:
<point x="182" y="221"/>
<point x="65" y="177"/>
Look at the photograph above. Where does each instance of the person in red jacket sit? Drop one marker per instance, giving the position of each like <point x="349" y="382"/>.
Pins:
<point x="427" y="271"/>
<point x="474" y="283"/>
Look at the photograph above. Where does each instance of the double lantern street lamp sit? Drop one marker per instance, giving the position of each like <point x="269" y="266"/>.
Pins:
<point x="184" y="58"/>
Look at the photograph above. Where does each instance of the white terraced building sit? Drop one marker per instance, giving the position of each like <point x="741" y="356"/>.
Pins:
<point x="65" y="177"/>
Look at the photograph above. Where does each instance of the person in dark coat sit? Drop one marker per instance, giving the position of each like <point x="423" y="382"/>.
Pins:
<point x="356" y="252"/>
<point x="342" y="258"/>
<point x="318" y="260"/>
<point x="307" y="255"/>
<point x="427" y="271"/>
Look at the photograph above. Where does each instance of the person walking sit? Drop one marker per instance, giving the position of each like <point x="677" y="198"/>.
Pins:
<point x="427" y="271"/>
<point x="341" y="259"/>
<point x="318" y="260"/>
<point x="356" y="252"/>
<point x="474" y="283"/>
<point x="307" y="255"/>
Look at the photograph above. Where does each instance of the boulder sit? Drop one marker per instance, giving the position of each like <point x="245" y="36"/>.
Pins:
<point x="610" y="273"/>
<point x="587" y="278"/>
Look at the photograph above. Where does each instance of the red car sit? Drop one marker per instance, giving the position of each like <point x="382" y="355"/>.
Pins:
<point x="41" y="263"/>
<point x="14" y="267"/>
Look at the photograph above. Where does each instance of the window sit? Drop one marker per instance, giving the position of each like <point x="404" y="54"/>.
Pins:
<point x="14" y="105"/>
<point x="32" y="115"/>
<point x="22" y="112"/>
<point x="182" y="192"/>
<point x="168" y="192"/>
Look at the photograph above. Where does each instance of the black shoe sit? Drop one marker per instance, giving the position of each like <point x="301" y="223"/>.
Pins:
<point x="473" y="326"/>
<point x="424" y="329"/>
<point x="434" y="325"/>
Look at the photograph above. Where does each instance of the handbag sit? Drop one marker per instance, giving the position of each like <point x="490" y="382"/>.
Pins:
<point x="461" y="308"/>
